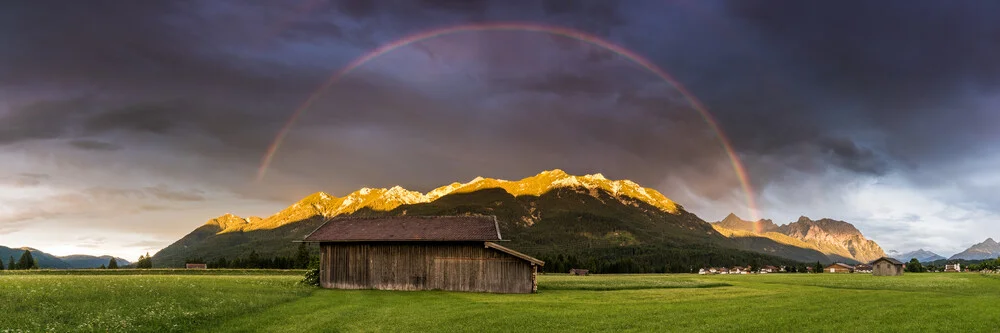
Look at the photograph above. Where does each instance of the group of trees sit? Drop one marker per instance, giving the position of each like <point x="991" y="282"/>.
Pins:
<point x="985" y="265"/>
<point x="914" y="266"/>
<point x="26" y="262"/>
<point x="145" y="261"/>
<point x="300" y="260"/>
<point x="112" y="264"/>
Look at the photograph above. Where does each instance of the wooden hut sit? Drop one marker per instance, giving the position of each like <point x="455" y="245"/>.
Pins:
<point x="579" y="271"/>
<point x="457" y="253"/>
<point x="886" y="266"/>
<point x="839" y="267"/>
<point x="196" y="266"/>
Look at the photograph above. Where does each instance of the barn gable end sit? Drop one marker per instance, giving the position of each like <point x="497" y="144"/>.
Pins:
<point x="887" y="267"/>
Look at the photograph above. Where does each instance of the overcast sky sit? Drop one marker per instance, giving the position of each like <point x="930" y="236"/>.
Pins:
<point x="126" y="124"/>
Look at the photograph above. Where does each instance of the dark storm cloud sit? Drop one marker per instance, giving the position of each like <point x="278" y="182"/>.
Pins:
<point x="788" y="83"/>
<point x="850" y="156"/>
<point x="95" y="145"/>
<point x="891" y="66"/>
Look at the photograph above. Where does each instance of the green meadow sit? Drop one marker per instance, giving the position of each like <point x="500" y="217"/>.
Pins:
<point x="242" y="301"/>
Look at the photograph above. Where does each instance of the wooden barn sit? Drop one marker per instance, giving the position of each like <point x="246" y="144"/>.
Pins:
<point x="887" y="267"/>
<point x="839" y="267"/>
<point x="457" y="253"/>
<point x="196" y="266"/>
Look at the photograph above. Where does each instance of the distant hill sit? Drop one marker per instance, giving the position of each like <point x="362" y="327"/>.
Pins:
<point x="43" y="259"/>
<point x="88" y="261"/>
<point x="46" y="260"/>
<point x="988" y="249"/>
<point x="602" y="224"/>
<point x="921" y="255"/>
<point x="836" y="240"/>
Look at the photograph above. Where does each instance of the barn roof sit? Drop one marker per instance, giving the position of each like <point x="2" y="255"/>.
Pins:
<point x="407" y="228"/>
<point x="891" y="260"/>
<point x="841" y="265"/>
<point x="515" y="253"/>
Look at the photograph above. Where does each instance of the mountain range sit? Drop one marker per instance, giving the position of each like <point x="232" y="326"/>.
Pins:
<point x="838" y="240"/>
<point x="46" y="260"/>
<point x="608" y="225"/>
<point x="988" y="249"/>
<point x="921" y="255"/>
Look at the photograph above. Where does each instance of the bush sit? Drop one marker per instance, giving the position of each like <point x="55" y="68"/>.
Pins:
<point x="312" y="273"/>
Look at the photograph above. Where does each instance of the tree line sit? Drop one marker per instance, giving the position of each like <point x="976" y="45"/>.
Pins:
<point x="300" y="260"/>
<point x="656" y="259"/>
<point x="915" y="266"/>
<point x="986" y="265"/>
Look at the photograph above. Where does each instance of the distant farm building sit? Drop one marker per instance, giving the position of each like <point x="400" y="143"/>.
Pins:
<point x="578" y="271"/>
<point x="457" y="253"/>
<point x="839" y="268"/>
<point x="862" y="268"/>
<point x="887" y="267"/>
<point x="956" y="267"/>
<point x="196" y="266"/>
<point x="769" y="269"/>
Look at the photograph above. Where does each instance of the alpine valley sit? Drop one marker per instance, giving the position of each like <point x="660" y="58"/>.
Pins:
<point x="568" y="221"/>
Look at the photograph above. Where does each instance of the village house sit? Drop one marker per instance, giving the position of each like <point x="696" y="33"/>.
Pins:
<point x="956" y="267"/>
<point x="458" y="253"/>
<point x="737" y="270"/>
<point x="886" y="266"/>
<point x="723" y="270"/>
<point x="839" y="267"/>
<point x="862" y="268"/>
<point x="703" y="271"/>
<point x="768" y="269"/>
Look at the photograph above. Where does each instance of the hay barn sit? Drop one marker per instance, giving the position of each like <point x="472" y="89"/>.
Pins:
<point x="839" y="267"/>
<point x="887" y="267"/>
<point x="459" y="253"/>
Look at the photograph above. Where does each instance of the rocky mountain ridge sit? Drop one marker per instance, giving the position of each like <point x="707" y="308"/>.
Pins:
<point x="988" y="249"/>
<point x="838" y="239"/>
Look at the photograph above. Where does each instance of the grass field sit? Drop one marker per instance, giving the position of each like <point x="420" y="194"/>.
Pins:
<point x="240" y="301"/>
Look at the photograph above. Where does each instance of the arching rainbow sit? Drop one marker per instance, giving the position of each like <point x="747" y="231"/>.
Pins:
<point x="527" y="27"/>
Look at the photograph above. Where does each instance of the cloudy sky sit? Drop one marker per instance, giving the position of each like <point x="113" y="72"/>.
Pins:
<point x="126" y="124"/>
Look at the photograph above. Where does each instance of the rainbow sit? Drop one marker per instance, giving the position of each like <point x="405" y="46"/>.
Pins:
<point x="741" y="173"/>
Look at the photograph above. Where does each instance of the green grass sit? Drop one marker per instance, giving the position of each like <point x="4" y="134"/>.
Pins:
<point x="274" y="303"/>
<point x="124" y="303"/>
<point x="157" y="271"/>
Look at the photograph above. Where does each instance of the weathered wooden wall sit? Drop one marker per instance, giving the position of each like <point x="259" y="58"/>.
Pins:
<point x="424" y="266"/>
<point x="885" y="268"/>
